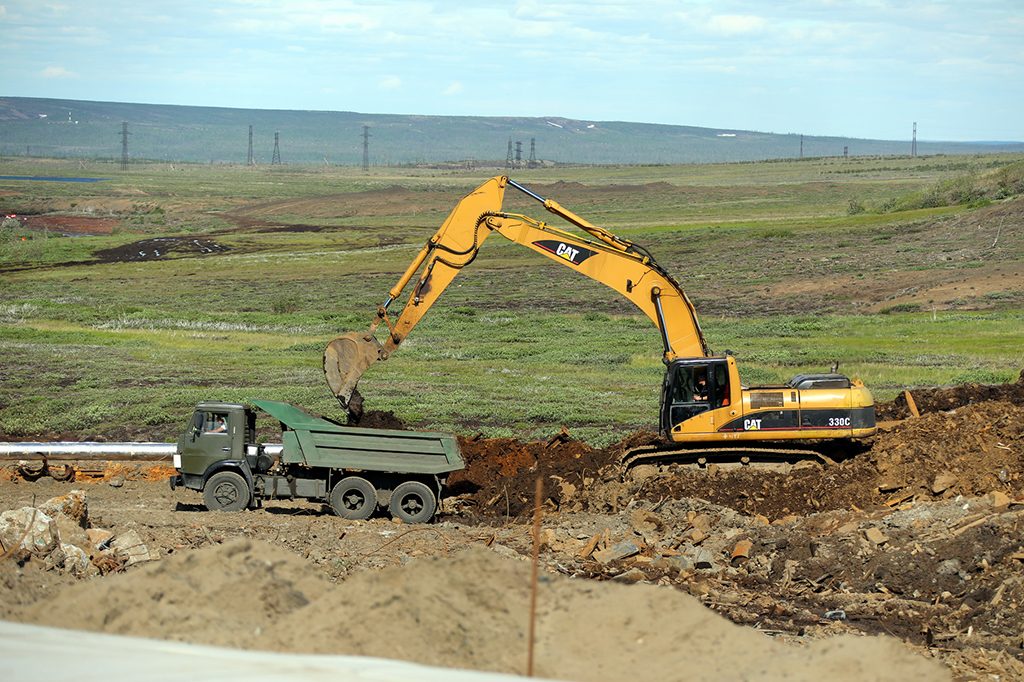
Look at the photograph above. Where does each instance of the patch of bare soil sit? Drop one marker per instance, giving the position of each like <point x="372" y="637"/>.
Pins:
<point x="70" y="224"/>
<point x="916" y="537"/>
<point x="159" y="247"/>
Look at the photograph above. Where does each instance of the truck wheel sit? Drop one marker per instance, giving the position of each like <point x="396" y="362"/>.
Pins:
<point x="413" y="502"/>
<point x="226" y="491"/>
<point x="354" y="498"/>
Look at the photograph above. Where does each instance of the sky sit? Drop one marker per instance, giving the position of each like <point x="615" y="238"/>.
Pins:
<point x="849" y="68"/>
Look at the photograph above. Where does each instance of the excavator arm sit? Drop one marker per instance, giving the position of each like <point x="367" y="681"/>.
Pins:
<point x="615" y="262"/>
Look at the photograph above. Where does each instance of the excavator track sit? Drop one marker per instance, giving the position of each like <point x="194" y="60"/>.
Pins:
<point x="676" y="453"/>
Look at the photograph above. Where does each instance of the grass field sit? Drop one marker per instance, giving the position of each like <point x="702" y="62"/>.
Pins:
<point x="906" y="271"/>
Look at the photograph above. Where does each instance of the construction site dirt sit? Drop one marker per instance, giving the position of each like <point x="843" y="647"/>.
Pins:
<point x="911" y="544"/>
<point x="916" y="537"/>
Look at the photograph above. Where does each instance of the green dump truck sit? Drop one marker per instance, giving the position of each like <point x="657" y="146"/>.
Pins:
<point x="355" y="470"/>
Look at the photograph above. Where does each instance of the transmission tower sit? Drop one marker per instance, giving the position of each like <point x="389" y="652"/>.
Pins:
<point x="366" y="149"/>
<point x="250" y="161"/>
<point x="519" y="155"/>
<point x="846" y="152"/>
<point x="913" y="144"/>
<point x="124" y="145"/>
<point x="532" y="163"/>
<point x="276" y="161"/>
<point x="801" y="146"/>
<point x="508" y="156"/>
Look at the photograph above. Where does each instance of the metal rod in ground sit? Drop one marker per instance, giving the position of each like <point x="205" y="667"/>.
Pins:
<point x="533" y="582"/>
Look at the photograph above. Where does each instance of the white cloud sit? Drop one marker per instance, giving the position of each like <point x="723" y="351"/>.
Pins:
<point x="736" y="24"/>
<point x="56" y="72"/>
<point x="348" y="22"/>
<point x="390" y="83"/>
<point x="453" y="89"/>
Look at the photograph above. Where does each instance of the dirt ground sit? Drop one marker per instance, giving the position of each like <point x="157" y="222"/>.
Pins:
<point x="915" y="537"/>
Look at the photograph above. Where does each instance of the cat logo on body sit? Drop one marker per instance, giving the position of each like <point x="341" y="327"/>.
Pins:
<point x="573" y="254"/>
<point x="751" y="424"/>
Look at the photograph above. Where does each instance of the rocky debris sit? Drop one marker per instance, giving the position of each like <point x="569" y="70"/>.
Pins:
<point x="57" y="533"/>
<point x="916" y="536"/>
<point x="927" y="400"/>
<point x="947" y="576"/>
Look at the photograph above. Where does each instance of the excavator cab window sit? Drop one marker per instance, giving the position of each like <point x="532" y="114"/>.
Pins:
<point x="720" y="397"/>
<point x="692" y="388"/>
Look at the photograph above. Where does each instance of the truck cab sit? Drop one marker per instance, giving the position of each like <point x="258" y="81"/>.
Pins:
<point x="218" y="433"/>
<point x="219" y="446"/>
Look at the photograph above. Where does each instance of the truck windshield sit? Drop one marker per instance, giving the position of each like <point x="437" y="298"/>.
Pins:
<point x="215" y="422"/>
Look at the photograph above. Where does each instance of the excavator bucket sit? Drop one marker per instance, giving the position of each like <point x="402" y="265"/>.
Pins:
<point x="345" y="360"/>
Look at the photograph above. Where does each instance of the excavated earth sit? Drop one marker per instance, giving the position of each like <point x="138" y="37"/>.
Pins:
<point x="899" y="559"/>
<point x="914" y="538"/>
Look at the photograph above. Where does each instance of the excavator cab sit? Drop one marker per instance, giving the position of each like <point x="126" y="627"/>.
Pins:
<point x="691" y="388"/>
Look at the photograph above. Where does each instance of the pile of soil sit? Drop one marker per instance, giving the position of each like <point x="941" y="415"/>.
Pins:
<point x="915" y="536"/>
<point x="949" y="398"/>
<point x="967" y="442"/>
<point x="467" y="611"/>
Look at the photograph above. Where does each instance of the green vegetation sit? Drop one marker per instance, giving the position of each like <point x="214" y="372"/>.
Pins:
<point x="172" y="135"/>
<point x="517" y="346"/>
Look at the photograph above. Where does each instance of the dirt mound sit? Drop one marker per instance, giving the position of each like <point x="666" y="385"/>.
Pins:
<point x="468" y="611"/>
<point x="968" y="442"/>
<point x="939" y="399"/>
<point x="218" y="596"/>
<point x="501" y="473"/>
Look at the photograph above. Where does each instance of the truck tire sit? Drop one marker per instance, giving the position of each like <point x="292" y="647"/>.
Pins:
<point x="354" y="498"/>
<point x="226" y="491"/>
<point x="413" y="502"/>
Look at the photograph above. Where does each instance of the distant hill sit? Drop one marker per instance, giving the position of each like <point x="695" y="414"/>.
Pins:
<point x="72" y="128"/>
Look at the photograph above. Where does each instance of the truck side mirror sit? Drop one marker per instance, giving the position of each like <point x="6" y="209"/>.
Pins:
<point x="197" y="426"/>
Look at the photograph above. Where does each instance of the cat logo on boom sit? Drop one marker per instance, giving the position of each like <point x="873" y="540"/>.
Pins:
<point x="569" y="252"/>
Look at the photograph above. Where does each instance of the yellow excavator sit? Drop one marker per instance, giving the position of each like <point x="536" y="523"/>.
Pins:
<point x="704" y="407"/>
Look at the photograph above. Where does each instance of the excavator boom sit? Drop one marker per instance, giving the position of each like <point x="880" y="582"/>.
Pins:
<point x="615" y="262"/>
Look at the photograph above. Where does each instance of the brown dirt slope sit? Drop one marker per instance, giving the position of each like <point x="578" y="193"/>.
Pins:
<point x="467" y="611"/>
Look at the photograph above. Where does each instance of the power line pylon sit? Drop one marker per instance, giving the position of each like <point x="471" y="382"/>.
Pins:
<point x="250" y="161"/>
<point x="532" y="163"/>
<point x="124" y="145"/>
<point x="366" y="149"/>
<point x="276" y="161"/>
<point x="508" y="156"/>
<point x="913" y="144"/>
<point x="519" y="155"/>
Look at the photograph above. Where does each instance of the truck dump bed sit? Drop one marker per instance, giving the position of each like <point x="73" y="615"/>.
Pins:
<point x="319" y="442"/>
